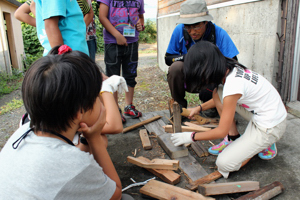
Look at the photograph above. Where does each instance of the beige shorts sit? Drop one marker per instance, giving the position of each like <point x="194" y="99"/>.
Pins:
<point x="252" y="141"/>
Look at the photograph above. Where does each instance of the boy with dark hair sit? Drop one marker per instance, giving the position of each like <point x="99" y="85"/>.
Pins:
<point x="40" y="161"/>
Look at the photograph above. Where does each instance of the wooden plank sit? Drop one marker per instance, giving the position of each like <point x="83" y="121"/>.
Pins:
<point x="191" y="167"/>
<point x="199" y="149"/>
<point x="205" y="125"/>
<point x="168" y="176"/>
<point x="169" y="129"/>
<point x="174" y="152"/>
<point x="228" y="188"/>
<point x="155" y="126"/>
<point x="141" y="123"/>
<point x="176" y="118"/>
<point x="145" y="139"/>
<point x="164" y="191"/>
<point x="197" y="126"/>
<point x="204" y="180"/>
<point x="154" y="163"/>
<point x="264" y="193"/>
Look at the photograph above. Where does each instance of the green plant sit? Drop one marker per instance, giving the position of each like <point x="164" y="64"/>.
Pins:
<point x="9" y="83"/>
<point x="192" y="99"/>
<point x="149" y="34"/>
<point x="14" y="104"/>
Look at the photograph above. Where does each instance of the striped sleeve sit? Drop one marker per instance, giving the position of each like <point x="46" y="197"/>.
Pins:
<point x="84" y="6"/>
<point x="28" y="2"/>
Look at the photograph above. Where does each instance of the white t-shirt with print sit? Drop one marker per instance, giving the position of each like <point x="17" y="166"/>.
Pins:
<point x="258" y="96"/>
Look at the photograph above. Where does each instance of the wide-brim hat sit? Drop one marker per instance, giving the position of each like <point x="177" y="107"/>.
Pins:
<point x="194" y="11"/>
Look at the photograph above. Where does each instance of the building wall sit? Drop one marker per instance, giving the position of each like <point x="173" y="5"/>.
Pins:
<point x="18" y="47"/>
<point x="252" y="27"/>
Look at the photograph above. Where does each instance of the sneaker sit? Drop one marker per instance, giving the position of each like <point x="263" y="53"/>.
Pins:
<point x="269" y="153"/>
<point x="122" y="116"/>
<point x="132" y="112"/>
<point x="217" y="149"/>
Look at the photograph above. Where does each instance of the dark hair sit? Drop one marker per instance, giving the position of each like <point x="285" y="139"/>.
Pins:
<point x="205" y="65"/>
<point x="56" y="87"/>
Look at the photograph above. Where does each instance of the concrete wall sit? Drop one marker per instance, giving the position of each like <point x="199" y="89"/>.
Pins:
<point x="252" y="27"/>
<point x="18" y="47"/>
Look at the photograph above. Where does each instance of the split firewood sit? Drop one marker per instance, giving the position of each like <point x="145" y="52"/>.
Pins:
<point x="199" y="149"/>
<point x="160" y="190"/>
<point x="264" y="193"/>
<point x="129" y="128"/>
<point x="189" y="124"/>
<point x="169" y="129"/>
<point x="168" y="176"/>
<point x="228" y="188"/>
<point x="155" y="163"/>
<point x="206" y="179"/>
<point x="145" y="139"/>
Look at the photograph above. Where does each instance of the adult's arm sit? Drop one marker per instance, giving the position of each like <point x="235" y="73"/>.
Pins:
<point x="170" y="58"/>
<point x="22" y="14"/>
<point x="140" y="23"/>
<point x="53" y="32"/>
<point x="103" y="13"/>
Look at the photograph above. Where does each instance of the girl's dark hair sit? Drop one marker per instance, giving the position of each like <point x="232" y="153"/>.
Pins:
<point x="56" y="87"/>
<point x="205" y="65"/>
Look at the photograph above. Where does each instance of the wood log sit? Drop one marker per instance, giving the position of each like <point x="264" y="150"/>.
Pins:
<point x="199" y="149"/>
<point x="168" y="176"/>
<point x="264" y="193"/>
<point x="228" y="188"/>
<point x="164" y="191"/>
<point x="173" y="152"/>
<point x="176" y="118"/>
<point x="145" y="139"/>
<point x="155" y="163"/>
<point x="206" y="179"/>
<point x="129" y="128"/>
<point x="169" y="129"/>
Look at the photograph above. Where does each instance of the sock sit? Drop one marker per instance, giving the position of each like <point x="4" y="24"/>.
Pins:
<point x="230" y="137"/>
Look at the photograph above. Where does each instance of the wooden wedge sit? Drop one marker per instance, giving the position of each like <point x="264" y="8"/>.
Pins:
<point x="155" y="163"/>
<point x="164" y="191"/>
<point x="228" y="188"/>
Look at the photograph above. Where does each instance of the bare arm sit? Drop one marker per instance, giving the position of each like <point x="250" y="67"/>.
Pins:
<point x="99" y="151"/>
<point x="53" y="32"/>
<point x="226" y="120"/>
<point x="113" y="123"/>
<point x="88" y="18"/>
<point x="205" y="106"/>
<point x="140" y="23"/>
<point x="22" y="14"/>
<point x="103" y="13"/>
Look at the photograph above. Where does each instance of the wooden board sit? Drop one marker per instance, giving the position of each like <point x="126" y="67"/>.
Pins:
<point x="168" y="176"/>
<point x="228" y="188"/>
<point x="155" y="126"/>
<point x="264" y="193"/>
<point x="204" y="180"/>
<point x="164" y="191"/>
<point x="141" y="123"/>
<point x="169" y="129"/>
<point x="199" y="149"/>
<point x="154" y="163"/>
<point x="173" y="152"/>
<point x="189" y="124"/>
<point x="191" y="167"/>
<point x="176" y="127"/>
<point x="145" y="139"/>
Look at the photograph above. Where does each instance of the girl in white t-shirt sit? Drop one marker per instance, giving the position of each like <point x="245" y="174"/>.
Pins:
<point x="240" y="90"/>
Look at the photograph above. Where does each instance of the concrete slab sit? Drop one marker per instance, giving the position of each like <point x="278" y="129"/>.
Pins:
<point x="284" y="167"/>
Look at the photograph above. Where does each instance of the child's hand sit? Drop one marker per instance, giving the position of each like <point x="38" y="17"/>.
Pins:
<point x="139" y="26"/>
<point x="89" y="132"/>
<point x="194" y="111"/>
<point x="121" y="40"/>
<point x="114" y="84"/>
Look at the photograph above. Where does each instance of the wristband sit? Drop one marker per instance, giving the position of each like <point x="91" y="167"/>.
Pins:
<point x="200" y="108"/>
<point x="193" y="136"/>
<point x="105" y="91"/>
